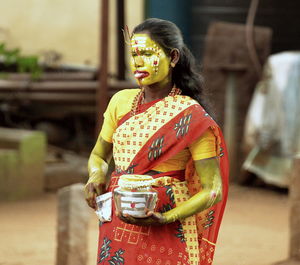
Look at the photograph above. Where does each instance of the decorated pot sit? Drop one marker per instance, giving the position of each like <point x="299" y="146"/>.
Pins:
<point x="135" y="195"/>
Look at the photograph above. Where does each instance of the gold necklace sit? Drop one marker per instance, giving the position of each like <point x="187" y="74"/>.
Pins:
<point x="140" y="98"/>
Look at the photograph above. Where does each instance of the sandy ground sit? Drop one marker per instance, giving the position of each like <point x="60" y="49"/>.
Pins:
<point x="254" y="230"/>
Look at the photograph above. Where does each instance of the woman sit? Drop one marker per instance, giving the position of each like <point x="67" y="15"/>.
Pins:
<point x="162" y="130"/>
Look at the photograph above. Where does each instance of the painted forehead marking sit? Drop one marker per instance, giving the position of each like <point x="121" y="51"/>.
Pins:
<point x="141" y="41"/>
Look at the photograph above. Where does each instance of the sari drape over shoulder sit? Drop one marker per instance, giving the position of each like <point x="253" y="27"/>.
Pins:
<point x="159" y="131"/>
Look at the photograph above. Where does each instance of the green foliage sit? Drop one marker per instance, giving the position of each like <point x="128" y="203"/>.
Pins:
<point x="12" y="58"/>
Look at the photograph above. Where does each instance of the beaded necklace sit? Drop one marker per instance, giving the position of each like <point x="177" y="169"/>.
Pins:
<point x="140" y="98"/>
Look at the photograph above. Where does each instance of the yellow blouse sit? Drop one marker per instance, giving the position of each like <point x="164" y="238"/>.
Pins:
<point x="120" y="104"/>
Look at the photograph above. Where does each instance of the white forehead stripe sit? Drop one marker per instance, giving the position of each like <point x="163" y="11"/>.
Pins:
<point x="140" y="38"/>
<point x="138" y="45"/>
<point x="141" y="41"/>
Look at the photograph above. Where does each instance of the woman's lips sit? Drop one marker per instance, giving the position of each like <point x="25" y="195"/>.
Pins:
<point x="140" y="74"/>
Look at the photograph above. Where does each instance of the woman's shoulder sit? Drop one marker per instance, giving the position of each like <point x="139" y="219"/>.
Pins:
<point x="121" y="101"/>
<point x="186" y="99"/>
<point x="126" y="94"/>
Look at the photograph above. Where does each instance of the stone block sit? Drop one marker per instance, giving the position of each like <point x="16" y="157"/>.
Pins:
<point x="294" y="187"/>
<point x="69" y="170"/>
<point x="73" y="218"/>
<point x="9" y="172"/>
<point x="295" y="230"/>
<point x="22" y="156"/>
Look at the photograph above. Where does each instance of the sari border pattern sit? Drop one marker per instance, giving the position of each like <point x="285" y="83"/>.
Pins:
<point x="151" y="137"/>
<point x="137" y="130"/>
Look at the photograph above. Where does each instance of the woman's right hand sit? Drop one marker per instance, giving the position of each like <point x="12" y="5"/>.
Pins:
<point x="97" y="166"/>
<point x="92" y="189"/>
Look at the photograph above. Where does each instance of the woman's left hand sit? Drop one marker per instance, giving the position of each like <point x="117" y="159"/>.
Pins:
<point x="153" y="218"/>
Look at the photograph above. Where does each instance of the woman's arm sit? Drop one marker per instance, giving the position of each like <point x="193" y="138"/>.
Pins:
<point x="97" y="167"/>
<point x="210" y="194"/>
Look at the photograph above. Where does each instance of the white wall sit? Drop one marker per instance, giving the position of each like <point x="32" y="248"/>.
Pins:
<point x="70" y="27"/>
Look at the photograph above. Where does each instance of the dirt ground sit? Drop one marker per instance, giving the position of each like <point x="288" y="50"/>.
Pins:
<point x="254" y="230"/>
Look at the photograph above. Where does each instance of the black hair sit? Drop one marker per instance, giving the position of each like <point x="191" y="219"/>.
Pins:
<point x="186" y="74"/>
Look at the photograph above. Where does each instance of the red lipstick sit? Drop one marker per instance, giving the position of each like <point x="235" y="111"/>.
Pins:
<point x="140" y="74"/>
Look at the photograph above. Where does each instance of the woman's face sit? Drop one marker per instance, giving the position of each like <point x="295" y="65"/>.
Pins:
<point x="149" y="63"/>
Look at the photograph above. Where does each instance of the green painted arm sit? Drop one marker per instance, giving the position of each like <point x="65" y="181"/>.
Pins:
<point x="97" y="168"/>
<point x="211" y="193"/>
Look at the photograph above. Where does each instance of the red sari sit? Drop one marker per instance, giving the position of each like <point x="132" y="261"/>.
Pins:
<point x="159" y="131"/>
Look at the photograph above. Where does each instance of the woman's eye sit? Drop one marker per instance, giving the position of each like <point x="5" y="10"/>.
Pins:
<point x="148" y="54"/>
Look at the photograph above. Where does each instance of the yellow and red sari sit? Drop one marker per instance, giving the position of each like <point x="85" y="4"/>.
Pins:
<point x="159" y="131"/>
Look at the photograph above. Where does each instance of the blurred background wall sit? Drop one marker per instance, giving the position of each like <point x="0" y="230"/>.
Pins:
<point x="69" y="27"/>
<point x="194" y="16"/>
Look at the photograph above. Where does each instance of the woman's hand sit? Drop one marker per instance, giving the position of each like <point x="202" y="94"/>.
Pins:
<point x="153" y="218"/>
<point x="91" y="191"/>
<point x="97" y="166"/>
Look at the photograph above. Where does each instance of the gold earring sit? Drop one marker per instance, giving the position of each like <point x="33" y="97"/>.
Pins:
<point x="172" y="64"/>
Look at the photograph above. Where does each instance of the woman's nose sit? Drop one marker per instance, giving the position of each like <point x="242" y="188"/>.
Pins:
<point x="139" y="61"/>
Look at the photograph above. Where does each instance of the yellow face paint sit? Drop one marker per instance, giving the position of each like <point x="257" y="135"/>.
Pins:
<point x="149" y="63"/>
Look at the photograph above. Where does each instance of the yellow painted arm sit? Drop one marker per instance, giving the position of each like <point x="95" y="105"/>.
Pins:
<point x="97" y="168"/>
<point x="211" y="193"/>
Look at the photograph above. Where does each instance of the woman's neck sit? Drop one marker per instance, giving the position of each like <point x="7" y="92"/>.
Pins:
<point x="157" y="91"/>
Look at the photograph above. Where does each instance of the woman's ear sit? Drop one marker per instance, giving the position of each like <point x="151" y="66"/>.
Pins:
<point x="175" y="55"/>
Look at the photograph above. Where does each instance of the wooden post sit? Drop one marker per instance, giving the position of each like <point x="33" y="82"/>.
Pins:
<point x="120" y="39"/>
<point x="294" y="193"/>
<point x="294" y="197"/>
<point x="230" y="122"/>
<point x="102" y="92"/>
